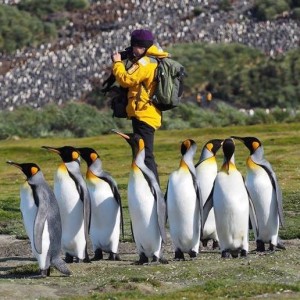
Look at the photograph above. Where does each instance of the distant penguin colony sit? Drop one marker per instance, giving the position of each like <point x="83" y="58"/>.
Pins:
<point x="201" y="203"/>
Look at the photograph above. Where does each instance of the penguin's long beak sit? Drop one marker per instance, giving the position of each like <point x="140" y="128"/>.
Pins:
<point x="125" y="136"/>
<point x="238" y="138"/>
<point x="14" y="164"/>
<point x="51" y="149"/>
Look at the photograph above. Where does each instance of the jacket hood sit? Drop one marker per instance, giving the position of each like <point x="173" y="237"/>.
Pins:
<point x="156" y="51"/>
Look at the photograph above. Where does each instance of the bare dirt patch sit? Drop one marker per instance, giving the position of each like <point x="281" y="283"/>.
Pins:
<point x="15" y="253"/>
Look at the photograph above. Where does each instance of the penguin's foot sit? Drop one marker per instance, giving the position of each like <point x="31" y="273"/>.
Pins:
<point x="260" y="246"/>
<point x="204" y="243"/>
<point x="80" y="260"/>
<point x="179" y="255"/>
<point x="192" y="254"/>
<point x="234" y="253"/>
<point x="244" y="253"/>
<point x="155" y="259"/>
<point x="271" y="247"/>
<point x="163" y="261"/>
<point x="45" y="273"/>
<point x="114" y="256"/>
<point x="98" y="255"/>
<point x="69" y="258"/>
<point x="143" y="259"/>
<point x="215" y="245"/>
<point x="225" y="254"/>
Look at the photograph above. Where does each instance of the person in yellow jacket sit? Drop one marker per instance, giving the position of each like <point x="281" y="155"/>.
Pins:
<point x="140" y="81"/>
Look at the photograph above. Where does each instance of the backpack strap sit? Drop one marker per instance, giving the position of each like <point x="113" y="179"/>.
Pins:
<point x="142" y="84"/>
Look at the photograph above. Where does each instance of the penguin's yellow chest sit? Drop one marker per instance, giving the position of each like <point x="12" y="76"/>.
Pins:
<point x="251" y="165"/>
<point x="184" y="167"/>
<point x="91" y="177"/>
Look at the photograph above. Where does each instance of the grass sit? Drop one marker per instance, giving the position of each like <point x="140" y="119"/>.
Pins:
<point x="208" y="277"/>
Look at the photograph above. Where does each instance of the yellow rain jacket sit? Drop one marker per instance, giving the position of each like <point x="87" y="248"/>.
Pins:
<point x="139" y="79"/>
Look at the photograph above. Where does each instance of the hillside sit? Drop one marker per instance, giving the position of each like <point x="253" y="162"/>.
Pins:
<point x="68" y="68"/>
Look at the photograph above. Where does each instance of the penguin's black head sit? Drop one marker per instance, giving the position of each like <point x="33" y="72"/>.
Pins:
<point x="134" y="140"/>
<point x="251" y="142"/>
<point x="67" y="153"/>
<point x="186" y="145"/>
<point x="228" y="149"/>
<point x="88" y="154"/>
<point x="214" y="145"/>
<point x="29" y="169"/>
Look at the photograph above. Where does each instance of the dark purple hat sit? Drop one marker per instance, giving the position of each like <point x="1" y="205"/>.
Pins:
<point x="142" y="38"/>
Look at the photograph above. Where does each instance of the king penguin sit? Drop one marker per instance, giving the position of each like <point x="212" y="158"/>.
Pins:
<point x="206" y="172"/>
<point x="41" y="219"/>
<point x="184" y="204"/>
<point x="146" y="204"/>
<point x="106" y="207"/>
<point x="231" y="203"/>
<point x="266" y="195"/>
<point x="74" y="204"/>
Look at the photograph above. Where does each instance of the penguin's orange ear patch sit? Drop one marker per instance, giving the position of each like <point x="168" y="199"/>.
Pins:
<point x="93" y="156"/>
<point x="255" y="145"/>
<point x="141" y="144"/>
<point x="187" y="144"/>
<point x="34" y="170"/>
<point x="75" y="155"/>
<point x="209" y="146"/>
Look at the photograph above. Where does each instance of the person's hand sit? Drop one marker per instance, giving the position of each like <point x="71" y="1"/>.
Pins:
<point x="116" y="57"/>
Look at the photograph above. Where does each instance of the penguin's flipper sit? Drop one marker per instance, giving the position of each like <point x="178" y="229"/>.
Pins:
<point x="40" y="218"/>
<point x="208" y="206"/>
<point x="131" y="228"/>
<point x="253" y="217"/>
<point x="199" y="198"/>
<point x="114" y="187"/>
<point x="268" y="168"/>
<point x="158" y="196"/>
<point x="161" y="215"/>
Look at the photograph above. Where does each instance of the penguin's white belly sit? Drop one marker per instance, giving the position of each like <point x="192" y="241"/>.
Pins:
<point x="231" y="205"/>
<point x="143" y="214"/>
<point x="206" y="174"/>
<point x="183" y="212"/>
<point x="105" y="216"/>
<point x="29" y="211"/>
<point x="71" y="212"/>
<point x="264" y="200"/>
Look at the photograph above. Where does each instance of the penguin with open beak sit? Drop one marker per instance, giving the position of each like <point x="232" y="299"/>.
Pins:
<point x="146" y="204"/>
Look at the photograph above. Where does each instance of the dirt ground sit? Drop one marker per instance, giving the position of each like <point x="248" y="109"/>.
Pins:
<point x="14" y="253"/>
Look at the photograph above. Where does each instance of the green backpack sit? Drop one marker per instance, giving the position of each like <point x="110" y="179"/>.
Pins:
<point x="169" y="77"/>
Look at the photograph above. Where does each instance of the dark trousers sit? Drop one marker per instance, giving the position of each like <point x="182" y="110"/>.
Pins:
<point x="147" y="134"/>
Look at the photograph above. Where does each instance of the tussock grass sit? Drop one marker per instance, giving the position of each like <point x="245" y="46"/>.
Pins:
<point x="271" y="276"/>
